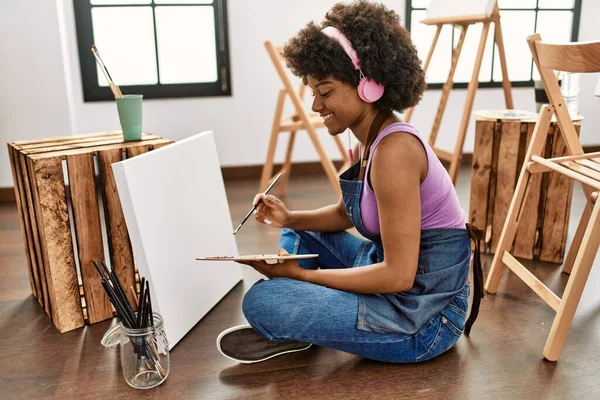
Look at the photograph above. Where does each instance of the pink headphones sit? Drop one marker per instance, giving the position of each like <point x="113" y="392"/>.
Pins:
<point x="369" y="91"/>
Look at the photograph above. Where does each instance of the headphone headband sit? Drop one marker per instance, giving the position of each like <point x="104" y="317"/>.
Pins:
<point x="368" y="90"/>
<point x="335" y="33"/>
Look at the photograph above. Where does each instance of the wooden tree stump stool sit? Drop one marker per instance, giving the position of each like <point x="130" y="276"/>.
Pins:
<point x="70" y="215"/>
<point x="500" y="147"/>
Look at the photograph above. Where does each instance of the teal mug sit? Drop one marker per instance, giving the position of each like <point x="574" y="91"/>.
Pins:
<point x="130" y="116"/>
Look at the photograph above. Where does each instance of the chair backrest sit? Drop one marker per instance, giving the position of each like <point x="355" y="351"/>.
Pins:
<point x="570" y="57"/>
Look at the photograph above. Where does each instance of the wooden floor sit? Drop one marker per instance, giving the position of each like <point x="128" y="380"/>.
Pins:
<point x="502" y="359"/>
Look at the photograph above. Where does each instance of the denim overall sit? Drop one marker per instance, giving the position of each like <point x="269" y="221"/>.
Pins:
<point x="405" y="327"/>
<point x="442" y="272"/>
<point x="411" y="326"/>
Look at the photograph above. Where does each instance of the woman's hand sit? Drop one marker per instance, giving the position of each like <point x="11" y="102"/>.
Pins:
<point x="282" y="269"/>
<point x="271" y="211"/>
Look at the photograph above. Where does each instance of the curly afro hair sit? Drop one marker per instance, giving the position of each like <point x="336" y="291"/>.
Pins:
<point x="384" y="48"/>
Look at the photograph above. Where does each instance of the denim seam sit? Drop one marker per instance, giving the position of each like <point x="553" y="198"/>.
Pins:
<point x="460" y="295"/>
<point x="327" y="246"/>
<point x="458" y="310"/>
<point x="312" y="339"/>
<point x="453" y="328"/>
<point x="362" y="251"/>
<point x="263" y="331"/>
<point x="433" y="343"/>
<point x="362" y="310"/>
<point x="296" y="244"/>
<point x="331" y="316"/>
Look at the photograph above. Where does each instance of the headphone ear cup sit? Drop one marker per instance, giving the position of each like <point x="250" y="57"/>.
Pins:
<point x="369" y="91"/>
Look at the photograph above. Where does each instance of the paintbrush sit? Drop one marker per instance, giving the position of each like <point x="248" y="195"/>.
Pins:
<point x="113" y="87"/>
<point x="257" y="203"/>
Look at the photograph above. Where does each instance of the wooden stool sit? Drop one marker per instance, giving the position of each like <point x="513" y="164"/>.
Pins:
<point x="49" y="207"/>
<point x="299" y="120"/>
<point x="498" y="155"/>
<point x="584" y="168"/>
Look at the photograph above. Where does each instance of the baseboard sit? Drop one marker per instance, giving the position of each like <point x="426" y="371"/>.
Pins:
<point x="7" y="194"/>
<point x="254" y="171"/>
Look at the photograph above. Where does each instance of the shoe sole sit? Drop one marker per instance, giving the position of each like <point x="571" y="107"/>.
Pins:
<point x="240" y="327"/>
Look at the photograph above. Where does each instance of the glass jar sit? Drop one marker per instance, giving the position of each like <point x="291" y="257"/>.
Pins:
<point x="144" y="353"/>
<point x="569" y="88"/>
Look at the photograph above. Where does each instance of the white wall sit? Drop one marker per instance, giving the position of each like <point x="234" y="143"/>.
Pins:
<point x="42" y="96"/>
<point x="589" y="30"/>
<point x="33" y="100"/>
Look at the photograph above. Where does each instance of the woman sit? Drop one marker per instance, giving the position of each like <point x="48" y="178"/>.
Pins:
<point x="401" y="294"/>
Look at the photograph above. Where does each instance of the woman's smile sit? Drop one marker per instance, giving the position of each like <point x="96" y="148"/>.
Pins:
<point x="326" y="116"/>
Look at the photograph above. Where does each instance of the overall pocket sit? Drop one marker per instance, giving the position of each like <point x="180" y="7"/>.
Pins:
<point x="446" y="336"/>
<point x="450" y="323"/>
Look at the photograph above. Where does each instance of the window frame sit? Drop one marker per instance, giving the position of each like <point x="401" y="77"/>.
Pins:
<point x="497" y="84"/>
<point x="92" y="91"/>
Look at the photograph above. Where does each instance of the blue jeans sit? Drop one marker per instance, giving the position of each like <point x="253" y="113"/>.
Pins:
<point x="284" y="309"/>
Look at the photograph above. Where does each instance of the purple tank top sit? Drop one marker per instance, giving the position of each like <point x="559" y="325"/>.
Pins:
<point x="439" y="203"/>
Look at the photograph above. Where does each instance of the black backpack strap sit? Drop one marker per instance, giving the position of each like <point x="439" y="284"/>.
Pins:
<point x="476" y="236"/>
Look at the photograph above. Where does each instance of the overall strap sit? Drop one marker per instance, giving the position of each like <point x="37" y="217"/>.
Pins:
<point x="373" y="131"/>
<point x="476" y="235"/>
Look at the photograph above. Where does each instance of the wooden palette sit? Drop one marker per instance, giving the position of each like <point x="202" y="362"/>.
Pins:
<point x="258" y="257"/>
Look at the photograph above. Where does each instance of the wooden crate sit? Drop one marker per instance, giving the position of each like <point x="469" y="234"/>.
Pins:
<point x="70" y="212"/>
<point x="500" y="147"/>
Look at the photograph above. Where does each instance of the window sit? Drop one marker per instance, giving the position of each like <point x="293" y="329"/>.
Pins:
<point x="556" y="20"/>
<point x="159" y="48"/>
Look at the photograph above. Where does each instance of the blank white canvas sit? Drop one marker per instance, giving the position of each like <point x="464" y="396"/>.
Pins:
<point x="450" y="8"/>
<point x="176" y="209"/>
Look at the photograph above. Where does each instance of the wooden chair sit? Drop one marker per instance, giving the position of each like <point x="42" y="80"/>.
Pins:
<point x="299" y="120"/>
<point x="584" y="168"/>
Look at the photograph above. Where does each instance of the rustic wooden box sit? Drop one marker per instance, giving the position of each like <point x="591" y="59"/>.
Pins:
<point x="500" y="147"/>
<point x="70" y="215"/>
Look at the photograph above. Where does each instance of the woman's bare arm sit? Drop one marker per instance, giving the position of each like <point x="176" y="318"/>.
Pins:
<point x="398" y="167"/>
<point x="331" y="218"/>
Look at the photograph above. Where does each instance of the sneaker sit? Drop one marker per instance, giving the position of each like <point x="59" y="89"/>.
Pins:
<point x="243" y="344"/>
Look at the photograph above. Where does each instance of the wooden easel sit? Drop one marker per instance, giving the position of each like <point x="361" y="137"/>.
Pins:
<point x="464" y="22"/>
<point x="299" y="120"/>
